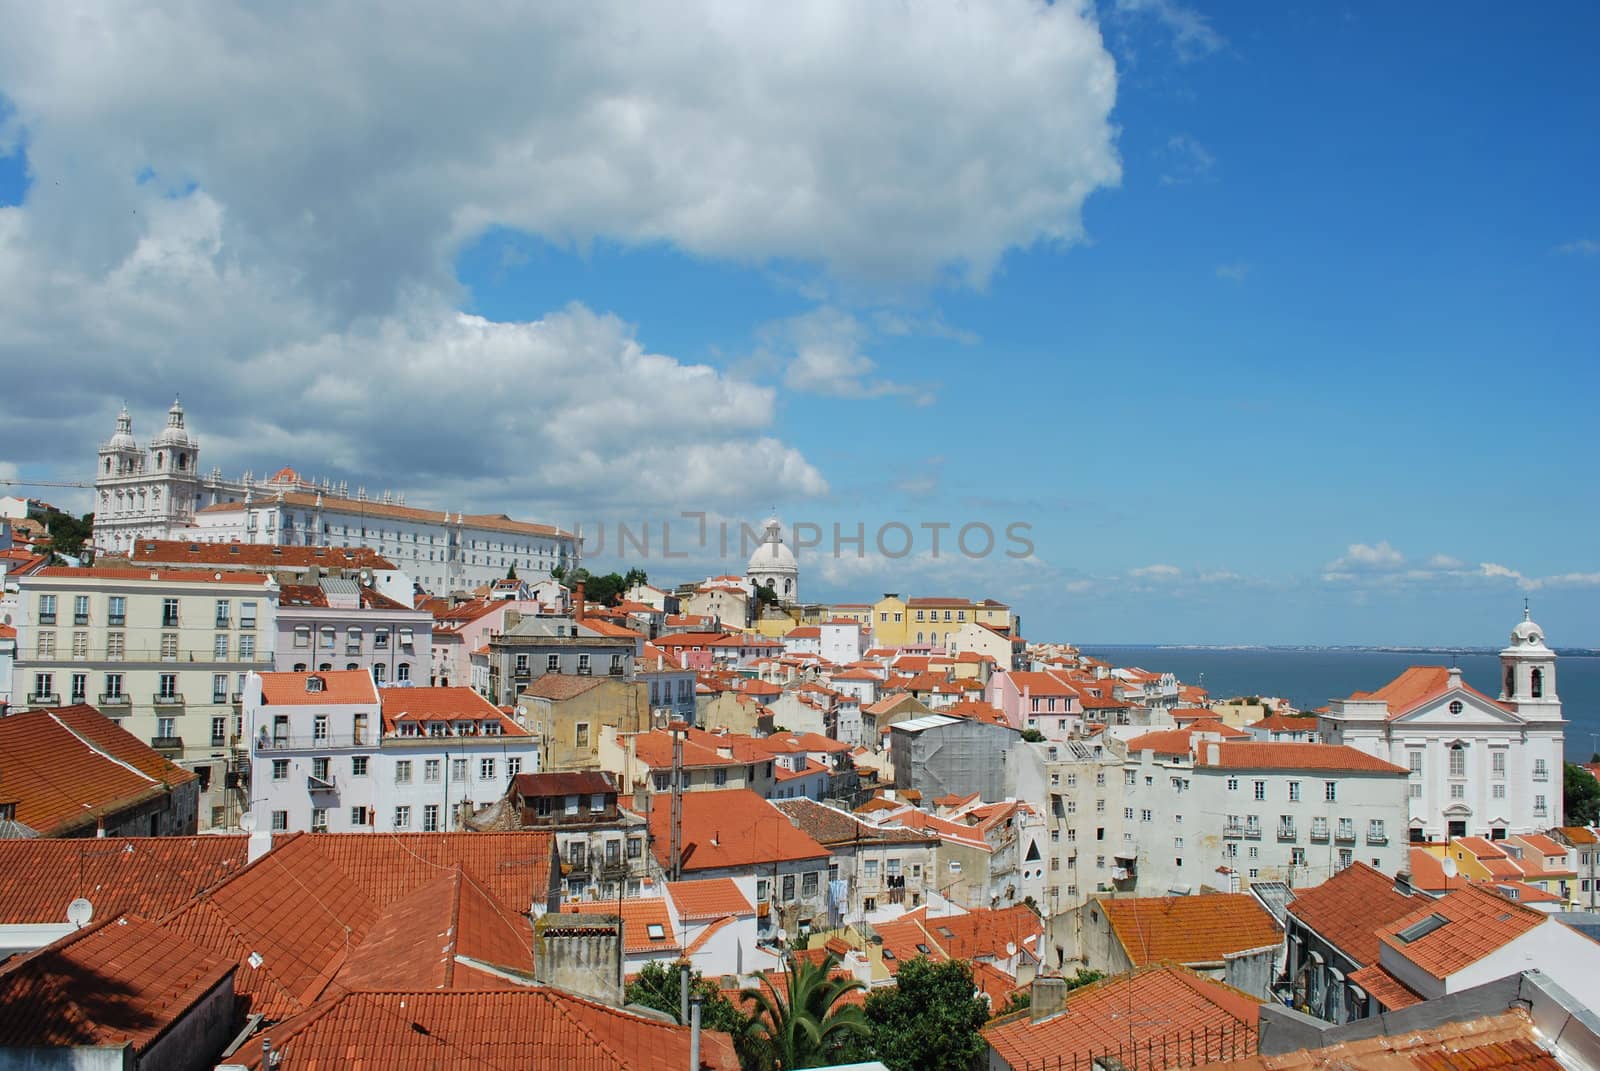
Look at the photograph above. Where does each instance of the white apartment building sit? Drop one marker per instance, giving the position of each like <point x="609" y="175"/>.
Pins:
<point x="1478" y="766"/>
<point x="1167" y="821"/>
<point x="339" y="623"/>
<point x="159" y="493"/>
<point x="331" y="752"/>
<point x="164" y="652"/>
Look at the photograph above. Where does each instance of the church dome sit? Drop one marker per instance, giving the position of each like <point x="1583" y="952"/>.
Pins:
<point x="773" y="556"/>
<point x="123" y="439"/>
<point x="1527" y="633"/>
<point x="174" y="434"/>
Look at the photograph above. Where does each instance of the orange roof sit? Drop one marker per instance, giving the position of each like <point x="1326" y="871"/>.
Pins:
<point x="731" y="828"/>
<point x="1294" y="756"/>
<point x="1283" y="723"/>
<point x="1543" y="844"/>
<point x="1347" y="909"/>
<point x="1416" y="686"/>
<point x="905" y="939"/>
<point x="1139" y="1009"/>
<point x="524" y="1027"/>
<point x="258" y="555"/>
<point x="708" y="898"/>
<point x="338" y="687"/>
<point x="1427" y="872"/>
<point x="1390" y="991"/>
<point x="1479" y="922"/>
<point x="1179" y="741"/>
<point x="639" y="915"/>
<point x="61" y="997"/>
<point x="65" y="769"/>
<point x="1189" y="929"/>
<point x="985" y="933"/>
<point x="147" y="876"/>
<point x="1037" y="683"/>
<point x="1504" y="1042"/>
<point x="444" y="704"/>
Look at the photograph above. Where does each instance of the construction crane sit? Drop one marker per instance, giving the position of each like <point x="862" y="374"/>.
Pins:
<point x="45" y="483"/>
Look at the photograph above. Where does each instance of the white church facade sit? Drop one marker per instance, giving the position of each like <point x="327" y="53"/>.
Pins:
<point x="1479" y="766"/>
<point x="159" y="493"/>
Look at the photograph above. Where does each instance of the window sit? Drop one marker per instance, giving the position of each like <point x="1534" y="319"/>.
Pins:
<point x="280" y="821"/>
<point x="513" y="766"/>
<point x="458" y="769"/>
<point x="1458" y="761"/>
<point x="80" y="609"/>
<point x="1347" y="829"/>
<point x="1540" y="808"/>
<point x="552" y="664"/>
<point x="581" y="734"/>
<point x="80" y="645"/>
<point x="1499" y="791"/>
<point x="302" y="635"/>
<point x="1145" y="815"/>
<point x="1261" y="790"/>
<point x="352" y="640"/>
<point x="1233" y="784"/>
<point x="788" y="887"/>
<point x="116" y="644"/>
<point x="1319" y="829"/>
<point x="597" y="803"/>
<point x="1414" y="760"/>
<point x="1540" y="772"/>
<point x="402" y="817"/>
<point x="169" y="613"/>
<point x="583" y="663"/>
<point x="280" y="769"/>
<point x="1346" y="857"/>
<point x="635" y="847"/>
<point x="403" y="672"/>
<point x="113" y="685"/>
<point x="1330" y="791"/>
<point x="47" y="609"/>
<point x="358" y="816"/>
<point x="1458" y="792"/>
<point x="45" y="645"/>
<point x="168" y="684"/>
<point x="402" y="772"/>
<point x="80" y="687"/>
<point x="169" y="645"/>
<point x="486" y="769"/>
<point x="432" y="771"/>
<point x="358" y="766"/>
<point x="1127" y="814"/>
<point x="430" y="818"/>
<point x="761" y="890"/>
<point x="328" y="637"/>
<point x="166" y="727"/>
<point x="247" y="615"/>
<point x="380" y="639"/>
<point x="319" y="820"/>
<point x="1375" y="832"/>
<point x="223" y="613"/>
<point x="1498" y="761"/>
<point x="117" y="610"/>
<point x="219" y="687"/>
<point x="521" y="664"/>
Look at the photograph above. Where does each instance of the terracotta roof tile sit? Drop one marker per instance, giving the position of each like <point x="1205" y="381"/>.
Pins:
<point x="1504" y="1042"/>
<point x="1295" y="756"/>
<point x="1189" y="929"/>
<point x="257" y="555"/>
<point x="1348" y="908"/>
<point x="444" y="704"/>
<point x="1157" y="1010"/>
<point x="1416" y="686"/>
<point x="147" y="876"/>
<point x="731" y="828"/>
<point x="338" y="687"/>
<point x="708" y="898"/>
<point x="65" y="768"/>
<point x="1390" y="991"/>
<point x="121" y="981"/>
<point x="1479" y="922"/>
<point x="494" y="522"/>
<point x="639" y="915"/>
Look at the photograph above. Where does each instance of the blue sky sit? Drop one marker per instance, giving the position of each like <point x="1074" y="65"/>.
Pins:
<point x="1318" y="366"/>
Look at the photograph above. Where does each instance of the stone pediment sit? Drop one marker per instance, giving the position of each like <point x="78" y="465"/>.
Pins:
<point x="1474" y="709"/>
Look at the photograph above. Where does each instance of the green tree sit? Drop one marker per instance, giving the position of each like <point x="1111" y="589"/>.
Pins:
<point x="1032" y="736"/>
<point x="931" y="1020"/>
<point x="511" y="571"/>
<point x="804" y="1026"/>
<point x="658" y="986"/>
<point x="68" y="534"/>
<point x="634" y="578"/>
<point x="1581" y="796"/>
<point x="765" y="595"/>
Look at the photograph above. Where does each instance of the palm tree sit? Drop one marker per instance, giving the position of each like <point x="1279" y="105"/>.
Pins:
<point x="801" y="1027"/>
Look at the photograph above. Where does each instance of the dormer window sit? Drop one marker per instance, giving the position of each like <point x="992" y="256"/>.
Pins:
<point x="314" y="683"/>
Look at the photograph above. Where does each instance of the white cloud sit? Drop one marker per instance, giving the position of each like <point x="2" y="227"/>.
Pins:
<point x="270" y="199"/>
<point x="1233" y="273"/>
<point x="1381" y="565"/>
<point x="1444" y="561"/>
<point x="1193" y="37"/>
<point x="1186" y="160"/>
<point x="1366" y="557"/>
<point x="820" y="353"/>
<point x="1157" y="571"/>
<point x="1583" y="247"/>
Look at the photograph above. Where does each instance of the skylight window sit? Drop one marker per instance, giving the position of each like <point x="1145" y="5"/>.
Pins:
<point x="656" y="931"/>
<point x="1418" y="930"/>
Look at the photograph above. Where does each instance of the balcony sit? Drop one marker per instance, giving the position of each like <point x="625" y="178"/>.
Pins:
<point x="1252" y="832"/>
<point x="1377" y="838"/>
<point x="1233" y="829"/>
<point x="319" y="784"/>
<point x="311" y="742"/>
<point x="117" y="620"/>
<point x="1286" y="833"/>
<point x="121" y="699"/>
<point x="1319" y="836"/>
<point x="237" y="699"/>
<point x="44" y="699"/>
<point x="1345" y="836"/>
<point x="616" y="671"/>
<point x="161" y="699"/>
<point x="167" y="743"/>
<point x="1541" y="775"/>
<point x="80" y="620"/>
<point x="47" y="619"/>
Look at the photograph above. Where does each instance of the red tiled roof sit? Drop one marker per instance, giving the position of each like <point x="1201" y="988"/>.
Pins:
<point x="577" y="782"/>
<point x="444" y="704"/>
<point x="986" y="932"/>
<point x="1416" y="686"/>
<point x="61" y="996"/>
<point x="340" y="687"/>
<point x="190" y="576"/>
<point x="639" y="913"/>
<point x="1348" y="908"/>
<point x="708" y="898"/>
<point x="1390" y="991"/>
<point x="66" y="768"/>
<point x="1179" y="741"/>
<point x="1294" y="756"/>
<point x="244" y="555"/>
<point x="1283" y="723"/>
<point x="1504" y="1042"/>
<point x="1141" y="1008"/>
<point x="522" y="1028"/>
<point x="147" y="876"/>
<point x="731" y="828"/>
<point x="1041" y="683"/>
<point x="1189" y="929"/>
<point x="1480" y="922"/>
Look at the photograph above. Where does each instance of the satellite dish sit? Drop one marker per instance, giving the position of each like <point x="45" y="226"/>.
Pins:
<point x="80" y="912"/>
<point x="247" y="821"/>
<point x="1449" y="867"/>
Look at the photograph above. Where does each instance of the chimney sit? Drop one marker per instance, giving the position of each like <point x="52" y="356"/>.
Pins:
<point x="1455" y="677"/>
<point x="577" y="602"/>
<point x="581" y="954"/>
<point x="1402" y="883"/>
<point x="1047" y="996"/>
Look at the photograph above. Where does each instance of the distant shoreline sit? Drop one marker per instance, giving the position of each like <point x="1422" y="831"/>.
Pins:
<point x="1563" y="652"/>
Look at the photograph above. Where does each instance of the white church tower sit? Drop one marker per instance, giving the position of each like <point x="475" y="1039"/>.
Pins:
<point x="773" y="565"/>
<point x="150" y="493"/>
<point x="1528" y="673"/>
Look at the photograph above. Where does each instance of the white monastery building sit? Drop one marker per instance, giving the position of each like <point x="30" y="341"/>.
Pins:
<point x="1478" y="766"/>
<point x="159" y="493"/>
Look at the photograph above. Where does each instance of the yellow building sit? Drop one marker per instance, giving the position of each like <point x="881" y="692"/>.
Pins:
<point x="930" y="621"/>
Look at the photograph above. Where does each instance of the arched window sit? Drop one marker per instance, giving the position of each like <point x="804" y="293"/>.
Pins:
<point x="1458" y="761"/>
<point x="160" y="457"/>
<point x="108" y="464"/>
<point x="919" y="637"/>
<point x="379" y="672"/>
<point x="1511" y="680"/>
<point x="1538" y="683"/>
<point x="403" y="671"/>
<point x="299" y="667"/>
